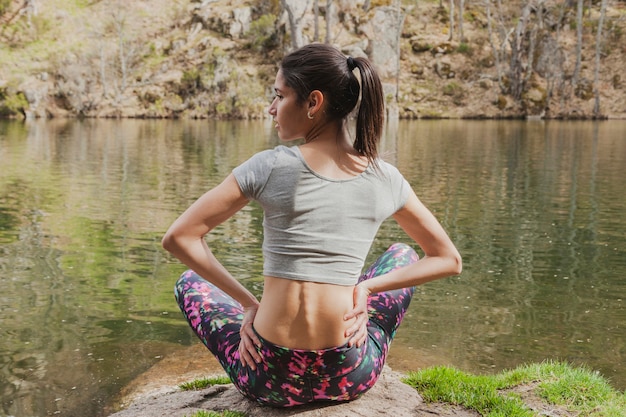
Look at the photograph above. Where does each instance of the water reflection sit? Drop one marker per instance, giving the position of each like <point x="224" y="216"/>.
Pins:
<point x="535" y="208"/>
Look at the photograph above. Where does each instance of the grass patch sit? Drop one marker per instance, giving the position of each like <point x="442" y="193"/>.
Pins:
<point x="216" y="414"/>
<point x="202" y="383"/>
<point x="577" y="389"/>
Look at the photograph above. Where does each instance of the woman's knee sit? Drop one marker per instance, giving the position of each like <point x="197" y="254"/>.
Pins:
<point x="403" y="251"/>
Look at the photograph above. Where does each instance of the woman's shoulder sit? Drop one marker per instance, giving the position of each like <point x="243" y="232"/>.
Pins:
<point x="279" y="151"/>
<point x="387" y="169"/>
<point x="270" y="155"/>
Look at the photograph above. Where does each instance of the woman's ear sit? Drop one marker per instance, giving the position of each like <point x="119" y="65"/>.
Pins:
<point x="315" y="102"/>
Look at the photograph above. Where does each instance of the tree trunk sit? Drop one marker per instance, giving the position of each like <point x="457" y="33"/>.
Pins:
<point x="329" y="5"/>
<point x="316" y="12"/>
<point x="401" y="17"/>
<point x="516" y="67"/>
<point x="461" y="8"/>
<point x="596" y="78"/>
<point x="103" y="79"/>
<point x="451" y="20"/>
<point x="295" y="30"/>
<point x="496" y="52"/>
<point x="579" y="42"/>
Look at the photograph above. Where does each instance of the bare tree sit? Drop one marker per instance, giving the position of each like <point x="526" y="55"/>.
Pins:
<point x="498" y="39"/>
<point x="295" y="23"/>
<point x="401" y="17"/>
<point x="329" y="6"/>
<point x="461" y="8"/>
<point x="517" y="53"/>
<point x="316" y="13"/>
<point x="451" y="20"/>
<point x="579" y="41"/>
<point x="596" y="77"/>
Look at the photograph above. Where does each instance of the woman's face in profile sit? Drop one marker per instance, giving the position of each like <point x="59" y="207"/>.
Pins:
<point x="289" y="115"/>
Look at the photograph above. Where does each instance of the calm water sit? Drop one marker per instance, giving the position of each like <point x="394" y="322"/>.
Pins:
<point x="536" y="209"/>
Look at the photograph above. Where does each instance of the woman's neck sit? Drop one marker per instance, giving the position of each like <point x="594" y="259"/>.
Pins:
<point x="330" y="153"/>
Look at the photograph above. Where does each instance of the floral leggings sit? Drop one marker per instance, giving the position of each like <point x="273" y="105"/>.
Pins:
<point x="289" y="377"/>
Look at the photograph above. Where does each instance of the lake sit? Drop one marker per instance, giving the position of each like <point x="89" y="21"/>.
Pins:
<point x="536" y="208"/>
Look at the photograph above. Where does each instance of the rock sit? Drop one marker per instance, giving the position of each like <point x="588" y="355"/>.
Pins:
<point x="534" y="101"/>
<point x="584" y="89"/>
<point x="419" y="45"/>
<point x="389" y="396"/>
<point x="382" y="32"/>
<point x="444" y="48"/>
<point x="444" y="69"/>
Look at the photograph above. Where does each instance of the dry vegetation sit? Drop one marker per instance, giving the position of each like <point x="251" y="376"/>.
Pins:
<point x="182" y="58"/>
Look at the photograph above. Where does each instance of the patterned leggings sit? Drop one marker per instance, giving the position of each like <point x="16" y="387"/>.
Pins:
<point x="289" y="377"/>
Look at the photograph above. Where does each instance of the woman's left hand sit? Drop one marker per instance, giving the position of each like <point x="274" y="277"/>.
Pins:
<point x="358" y="331"/>
<point x="248" y="354"/>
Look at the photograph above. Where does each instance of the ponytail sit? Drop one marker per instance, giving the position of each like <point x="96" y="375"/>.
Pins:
<point x="371" y="115"/>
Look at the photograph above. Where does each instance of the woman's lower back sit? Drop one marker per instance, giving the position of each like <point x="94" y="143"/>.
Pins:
<point x="302" y="314"/>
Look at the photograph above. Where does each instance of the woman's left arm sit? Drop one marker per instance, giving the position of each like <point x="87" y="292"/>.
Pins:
<point x="441" y="258"/>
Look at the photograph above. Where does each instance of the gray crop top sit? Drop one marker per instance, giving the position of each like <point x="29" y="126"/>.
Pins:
<point x="316" y="228"/>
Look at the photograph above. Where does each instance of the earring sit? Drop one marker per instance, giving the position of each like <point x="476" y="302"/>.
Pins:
<point x="308" y="114"/>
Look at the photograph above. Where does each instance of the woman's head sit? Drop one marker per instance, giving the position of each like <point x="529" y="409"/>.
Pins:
<point x="324" y="68"/>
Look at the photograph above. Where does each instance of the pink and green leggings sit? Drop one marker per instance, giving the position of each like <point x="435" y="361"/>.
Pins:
<point x="289" y="377"/>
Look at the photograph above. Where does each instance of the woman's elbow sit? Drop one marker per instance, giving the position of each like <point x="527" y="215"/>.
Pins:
<point x="457" y="264"/>
<point x="170" y="242"/>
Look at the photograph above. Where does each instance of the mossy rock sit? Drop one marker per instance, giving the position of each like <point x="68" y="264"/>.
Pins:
<point x="501" y="102"/>
<point x="419" y="46"/>
<point x="616" y="81"/>
<point x="584" y="89"/>
<point x="535" y="100"/>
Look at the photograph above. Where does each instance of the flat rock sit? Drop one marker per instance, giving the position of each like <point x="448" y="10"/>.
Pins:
<point x="390" y="396"/>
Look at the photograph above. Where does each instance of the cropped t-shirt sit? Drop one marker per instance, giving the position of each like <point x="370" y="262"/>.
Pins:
<point x="316" y="228"/>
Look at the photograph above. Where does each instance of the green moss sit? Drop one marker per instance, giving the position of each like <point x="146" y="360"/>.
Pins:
<point x="4" y="6"/>
<point x="465" y="49"/>
<point x="12" y="103"/>
<point x="190" y="83"/>
<point x="455" y="91"/>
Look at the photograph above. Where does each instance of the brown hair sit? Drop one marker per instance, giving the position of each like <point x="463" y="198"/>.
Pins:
<point x="322" y="67"/>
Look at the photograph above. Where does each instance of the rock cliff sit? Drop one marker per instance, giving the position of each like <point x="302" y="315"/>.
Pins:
<point x="218" y="58"/>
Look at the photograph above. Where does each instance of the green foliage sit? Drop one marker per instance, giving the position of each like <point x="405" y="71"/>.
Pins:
<point x="455" y="91"/>
<point x="190" y="83"/>
<point x="202" y="383"/>
<point x="578" y="389"/>
<point x="262" y="33"/>
<point x="224" y="108"/>
<point x="465" y="49"/>
<point x="4" y="6"/>
<point x="12" y="103"/>
<point x="226" y="413"/>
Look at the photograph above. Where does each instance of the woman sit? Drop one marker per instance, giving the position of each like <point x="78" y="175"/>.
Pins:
<point x="320" y="332"/>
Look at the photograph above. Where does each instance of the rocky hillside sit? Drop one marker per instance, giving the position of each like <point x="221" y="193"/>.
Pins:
<point x="218" y="58"/>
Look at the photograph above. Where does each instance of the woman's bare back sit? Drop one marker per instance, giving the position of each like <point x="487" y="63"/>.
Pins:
<point x="304" y="315"/>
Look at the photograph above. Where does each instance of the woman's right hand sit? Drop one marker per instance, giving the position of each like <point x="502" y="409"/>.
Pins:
<point x="248" y="354"/>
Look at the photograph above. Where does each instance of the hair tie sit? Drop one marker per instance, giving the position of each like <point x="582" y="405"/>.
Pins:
<point x="351" y="63"/>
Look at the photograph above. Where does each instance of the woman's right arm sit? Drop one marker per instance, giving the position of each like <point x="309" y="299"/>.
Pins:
<point x="185" y="237"/>
<point x="185" y="240"/>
